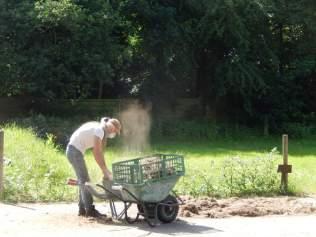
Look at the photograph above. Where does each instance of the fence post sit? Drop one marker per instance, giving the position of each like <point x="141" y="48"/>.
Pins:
<point x="285" y="168"/>
<point x="1" y="163"/>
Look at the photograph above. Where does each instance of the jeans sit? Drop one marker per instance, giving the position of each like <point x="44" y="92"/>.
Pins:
<point x="76" y="159"/>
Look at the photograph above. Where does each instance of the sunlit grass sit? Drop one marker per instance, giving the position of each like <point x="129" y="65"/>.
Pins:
<point x="35" y="169"/>
<point x="201" y="155"/>
<point x="38" y="169"/>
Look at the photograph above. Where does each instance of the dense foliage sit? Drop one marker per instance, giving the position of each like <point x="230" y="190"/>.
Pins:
<point x="258" y="58"/>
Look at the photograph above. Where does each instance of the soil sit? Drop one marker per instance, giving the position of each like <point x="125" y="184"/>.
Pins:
<point x="250" y="207"/>
<point x="60" y="219"/>
<point x="41" y="217"/>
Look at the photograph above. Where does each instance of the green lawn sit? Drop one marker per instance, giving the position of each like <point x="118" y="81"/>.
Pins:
<point x="38" y="169"/>
<point x="199" y="155"/>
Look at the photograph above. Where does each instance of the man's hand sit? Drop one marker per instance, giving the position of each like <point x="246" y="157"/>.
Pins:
<point x="98" y="155"/>
<point x="108" y="175"/>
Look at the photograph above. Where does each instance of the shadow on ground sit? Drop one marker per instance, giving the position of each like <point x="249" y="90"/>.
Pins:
<point x="178" y="227"/>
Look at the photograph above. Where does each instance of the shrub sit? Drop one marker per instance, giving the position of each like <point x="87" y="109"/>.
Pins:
<point x="198" y="129"/>
<point x="60" y="129"/>
<point x="252" y="176"/>
<point x="238" y="177"/>
<point x="200" y="183"/>
<point x="299" y="130"/>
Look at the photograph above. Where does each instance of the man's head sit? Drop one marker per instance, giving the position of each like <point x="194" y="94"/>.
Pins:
<point x="112" y="126"/>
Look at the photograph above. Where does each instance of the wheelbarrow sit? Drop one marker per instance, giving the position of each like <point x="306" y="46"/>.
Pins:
<point x="146" y="182"/>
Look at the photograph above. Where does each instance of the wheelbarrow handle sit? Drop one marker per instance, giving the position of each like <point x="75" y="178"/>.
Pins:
<point x="108" y="191"/>
<point x="72" y="182"/>
<point x="117" y="187"/>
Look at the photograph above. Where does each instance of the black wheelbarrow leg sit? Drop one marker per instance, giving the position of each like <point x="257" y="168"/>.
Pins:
<point x="127" y="218"/>
<point x="124" y="213"/>
<point x="113" y="210"/>
<point x="126" y="207"/>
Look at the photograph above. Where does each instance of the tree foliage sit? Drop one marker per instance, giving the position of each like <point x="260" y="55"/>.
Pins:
<point x="64" y="49"/>
<point x="256" y="57"/>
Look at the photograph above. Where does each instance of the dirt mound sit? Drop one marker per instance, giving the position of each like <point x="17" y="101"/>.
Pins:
<point x="250" y="207"/>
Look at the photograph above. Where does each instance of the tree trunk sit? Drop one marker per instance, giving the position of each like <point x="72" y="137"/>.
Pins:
<point x="201" y="81"/>
<point x="281" y="54"/>
<point x="100" y="91"/>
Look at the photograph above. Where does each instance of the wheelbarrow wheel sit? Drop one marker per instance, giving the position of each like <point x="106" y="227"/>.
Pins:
<point x="150" y="210"/>
<point x="168" y="213"/>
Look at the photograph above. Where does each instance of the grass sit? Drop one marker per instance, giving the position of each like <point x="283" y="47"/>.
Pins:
<point x="36" y="169"/>
<point x="202" y="155"/>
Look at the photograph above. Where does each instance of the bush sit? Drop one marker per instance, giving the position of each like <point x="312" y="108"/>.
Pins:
<point x="60" y="129"/>
<point x="238" y="177"/>
<point x="299" y="130"/>
<point x="199" y="129"/>
<point x="200" y="183"/>
<point x="253" y="176"/>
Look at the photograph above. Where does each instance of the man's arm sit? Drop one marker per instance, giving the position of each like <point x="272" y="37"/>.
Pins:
<point x="98" y="155"/>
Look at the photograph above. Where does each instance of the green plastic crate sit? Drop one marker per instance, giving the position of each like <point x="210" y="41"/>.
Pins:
<point x="149" y="178"/>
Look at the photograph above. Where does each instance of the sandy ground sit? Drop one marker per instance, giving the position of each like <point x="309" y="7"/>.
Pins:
<point x="295" y="218"/>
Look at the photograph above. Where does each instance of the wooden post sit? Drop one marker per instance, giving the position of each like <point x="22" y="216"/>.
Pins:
<point x="285" y="168"/>
<point x="1" y="163"/>
<point x="285" y="150"/>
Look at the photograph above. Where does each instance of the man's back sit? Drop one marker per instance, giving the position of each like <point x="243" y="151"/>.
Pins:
<point x="83" y="137"/>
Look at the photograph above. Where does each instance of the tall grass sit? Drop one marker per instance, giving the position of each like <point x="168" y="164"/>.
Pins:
<point x="36" y="169"/>
<point x="205" y="161"/>
<point x="233" y="176"/>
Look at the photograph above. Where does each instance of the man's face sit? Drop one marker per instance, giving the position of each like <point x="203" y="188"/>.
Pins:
<point x="112" y="131"/>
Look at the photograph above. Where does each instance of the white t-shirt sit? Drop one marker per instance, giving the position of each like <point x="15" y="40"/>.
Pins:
<point x="83" y="137"/>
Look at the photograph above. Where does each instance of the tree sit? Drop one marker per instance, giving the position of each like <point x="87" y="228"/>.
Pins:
<point x="293" y="37"/>
<point x="158" y="46"/>
<point x="64" y="49"/>
<point x="253" y="60"/>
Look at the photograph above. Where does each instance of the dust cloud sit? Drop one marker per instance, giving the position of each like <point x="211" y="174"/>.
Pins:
<point x="136" y="123"/>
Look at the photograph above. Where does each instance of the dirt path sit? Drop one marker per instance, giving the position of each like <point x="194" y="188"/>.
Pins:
<point x="61" y="220"/>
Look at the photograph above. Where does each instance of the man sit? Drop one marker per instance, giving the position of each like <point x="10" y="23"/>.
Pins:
<point x="91" y="135"/>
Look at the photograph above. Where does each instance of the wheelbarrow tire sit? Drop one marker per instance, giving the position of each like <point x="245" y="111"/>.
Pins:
<point x="150" y="210"/>
<point x="167" y="214"/>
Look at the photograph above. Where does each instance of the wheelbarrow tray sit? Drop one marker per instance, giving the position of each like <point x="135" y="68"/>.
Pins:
<point x="148" y="179"/>
<point x="150" y="191"/>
